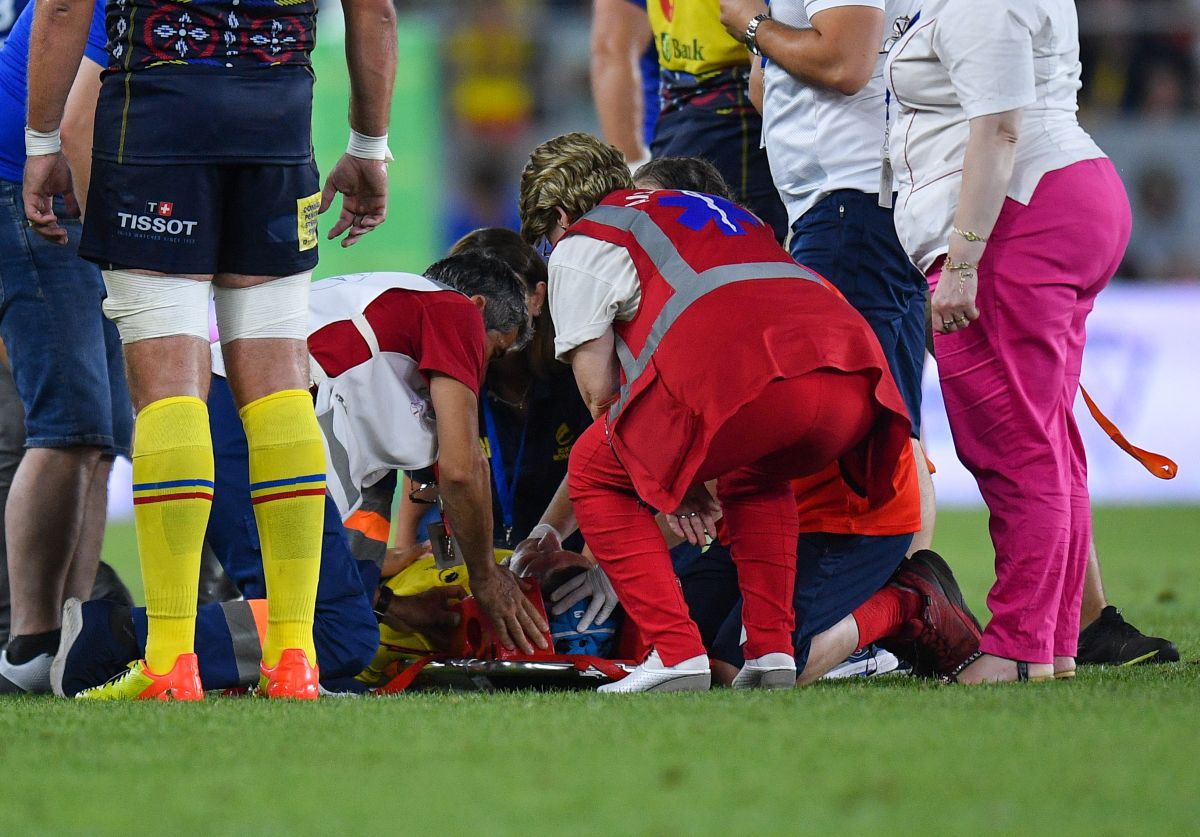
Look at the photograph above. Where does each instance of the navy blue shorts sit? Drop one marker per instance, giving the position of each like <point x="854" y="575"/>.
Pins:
<point x="834" y="575"/>
<point x="255" y="219"/>
<point x="731" y="142"/>
<point x="851" y="240"/>
<point x="66" y="357"/>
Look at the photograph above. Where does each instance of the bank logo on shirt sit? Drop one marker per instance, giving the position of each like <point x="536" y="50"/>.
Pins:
<point x="565" y="440"/>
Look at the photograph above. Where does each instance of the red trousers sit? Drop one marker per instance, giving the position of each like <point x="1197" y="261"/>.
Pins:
<point x="795" y="428"/>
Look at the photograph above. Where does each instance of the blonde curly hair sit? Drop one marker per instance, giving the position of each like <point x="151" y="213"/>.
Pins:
<point x="574" y="171"/>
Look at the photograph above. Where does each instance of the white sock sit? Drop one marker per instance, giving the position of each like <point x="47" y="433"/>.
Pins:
<point x="776" y="659"/>
<point x="697" y="663"/>
<point x="32" y="676"/>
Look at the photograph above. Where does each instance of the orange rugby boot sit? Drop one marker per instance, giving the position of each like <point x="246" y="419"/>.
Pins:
<point x="292" y="677"/>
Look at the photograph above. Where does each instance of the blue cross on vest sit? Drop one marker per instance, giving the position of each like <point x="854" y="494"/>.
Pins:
<point x="699" y="209"/>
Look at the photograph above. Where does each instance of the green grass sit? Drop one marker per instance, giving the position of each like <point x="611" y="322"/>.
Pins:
<point x="1114" y="752"/>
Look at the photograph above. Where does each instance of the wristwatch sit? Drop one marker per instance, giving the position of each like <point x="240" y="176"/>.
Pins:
<point x="751" y="37"/>
<point x="386" y="594"/>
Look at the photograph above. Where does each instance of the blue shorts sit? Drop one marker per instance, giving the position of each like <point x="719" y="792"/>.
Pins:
<point x="834" y="575"/>
<point x="65" y="355"/>
<point x="203" y="218"/>
<point x="848" y="238"/>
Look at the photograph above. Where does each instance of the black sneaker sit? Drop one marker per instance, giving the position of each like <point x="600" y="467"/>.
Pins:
<point x="1112" y="641"/>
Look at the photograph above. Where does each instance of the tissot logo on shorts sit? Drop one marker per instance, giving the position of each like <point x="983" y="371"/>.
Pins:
<point x="160" y="222"/>
<point x="161" y="208"/>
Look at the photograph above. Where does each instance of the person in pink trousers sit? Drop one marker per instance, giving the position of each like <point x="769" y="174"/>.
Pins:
<point x="1018" y="220"/>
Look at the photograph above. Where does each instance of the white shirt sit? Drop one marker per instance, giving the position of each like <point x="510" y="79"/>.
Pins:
<point x="969" y="58"/>
<point x="818" y="140"/>
<point x="592" y="285"/>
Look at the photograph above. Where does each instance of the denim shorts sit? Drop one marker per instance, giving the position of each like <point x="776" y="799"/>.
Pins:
<point x="65" y="355"/>
<point x="848" y="238"/>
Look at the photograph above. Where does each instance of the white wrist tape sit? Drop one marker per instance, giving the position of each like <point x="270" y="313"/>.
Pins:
<point x="368" y="148"/>
<point x="41" y="143"/>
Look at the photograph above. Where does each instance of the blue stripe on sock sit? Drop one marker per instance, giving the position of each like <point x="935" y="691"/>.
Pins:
<point x="256" y="486"/>
<point x="147" y="486"/>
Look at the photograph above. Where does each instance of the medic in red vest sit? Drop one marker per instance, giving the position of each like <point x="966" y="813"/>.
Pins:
<point x="706" y="353"/>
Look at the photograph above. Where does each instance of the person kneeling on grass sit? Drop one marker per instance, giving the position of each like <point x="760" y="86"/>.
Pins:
<point x="389" y="352"/>
<point x="654" y="294"/>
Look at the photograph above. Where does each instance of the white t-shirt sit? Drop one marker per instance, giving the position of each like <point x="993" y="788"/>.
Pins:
<point x="592" y="284"/>
<point x="818" y="140"/>
<point x="969" y="58"/>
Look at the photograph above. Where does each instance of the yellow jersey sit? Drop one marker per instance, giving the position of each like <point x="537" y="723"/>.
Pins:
<point x="690" y="38"/>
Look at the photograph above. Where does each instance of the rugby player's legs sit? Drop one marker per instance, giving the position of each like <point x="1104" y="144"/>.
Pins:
<point x="267" y="252"/>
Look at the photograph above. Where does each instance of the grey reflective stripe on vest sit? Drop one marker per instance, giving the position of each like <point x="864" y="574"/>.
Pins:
<point x="247" y="651"/>
<point x="688" y="285"/>
<point x="339" y="459"/>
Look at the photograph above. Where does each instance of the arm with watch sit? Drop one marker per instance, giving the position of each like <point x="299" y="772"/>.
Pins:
<point x="839" y="52"/>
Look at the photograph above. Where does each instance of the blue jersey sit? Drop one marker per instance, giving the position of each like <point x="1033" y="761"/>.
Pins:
<point x="14" y="58"/>
<point x="650" y="80"/>
<point x="9" y="9"/>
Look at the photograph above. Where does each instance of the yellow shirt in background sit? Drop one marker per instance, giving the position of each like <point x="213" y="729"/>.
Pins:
<point x="691" y="39"/>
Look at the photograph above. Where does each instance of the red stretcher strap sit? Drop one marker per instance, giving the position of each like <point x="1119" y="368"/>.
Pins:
<point x="1157" y="464"/>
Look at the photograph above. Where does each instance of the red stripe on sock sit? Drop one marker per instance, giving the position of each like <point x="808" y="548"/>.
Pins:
<point x="287" y="495"/>
<point x="162" y="498"/>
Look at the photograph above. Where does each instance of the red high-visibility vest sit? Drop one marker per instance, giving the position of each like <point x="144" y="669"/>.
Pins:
<point x="724" y="311"/>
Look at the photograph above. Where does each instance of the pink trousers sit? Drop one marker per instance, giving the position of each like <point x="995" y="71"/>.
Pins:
<point x="1009" y="383"/>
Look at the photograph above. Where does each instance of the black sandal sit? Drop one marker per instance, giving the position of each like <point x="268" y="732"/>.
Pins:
<point x="1022" y="669"/>
<point x="952" y="677"/>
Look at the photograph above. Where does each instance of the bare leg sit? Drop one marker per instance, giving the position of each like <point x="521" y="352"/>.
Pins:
<point x="924" y="538"/>
<point x="1094" y="599"/>
<point x="828" y="649"/>
<point x="82" y="575"/>
<point x="167" y="367"/>
<point x="43" y="520"/>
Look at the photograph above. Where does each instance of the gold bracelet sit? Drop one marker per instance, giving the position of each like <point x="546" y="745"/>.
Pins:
<point x="968" y="235"/>
<point x="964" y="270"/>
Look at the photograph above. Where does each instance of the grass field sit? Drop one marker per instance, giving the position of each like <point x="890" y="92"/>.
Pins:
<point x="1114" y="752"/>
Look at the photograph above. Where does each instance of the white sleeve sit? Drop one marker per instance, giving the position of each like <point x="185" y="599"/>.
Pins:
<point x="812" y="7"/>
<point x="592" y="284"/>
<point x="987" y="49"/>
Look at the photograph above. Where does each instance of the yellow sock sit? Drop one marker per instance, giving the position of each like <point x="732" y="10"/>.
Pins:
<point x="287" y="488"/>
<point x="172" y="496"/>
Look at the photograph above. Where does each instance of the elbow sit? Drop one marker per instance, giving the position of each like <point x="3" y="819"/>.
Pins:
<point x="851" y="78"/>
